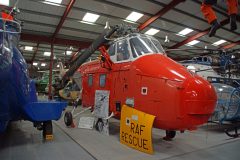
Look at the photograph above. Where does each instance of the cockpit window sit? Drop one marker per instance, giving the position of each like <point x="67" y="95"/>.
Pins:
<point x="144" y="45"/>
<point x="111" y="50"/>
<point x="158" y="45"/>
<point x="122" y="50"/>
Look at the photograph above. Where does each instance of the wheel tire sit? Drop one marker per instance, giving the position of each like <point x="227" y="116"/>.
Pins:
<point x="99" y="125"/>
<point x="170" y="134"/>
<point x="68" y="120"/>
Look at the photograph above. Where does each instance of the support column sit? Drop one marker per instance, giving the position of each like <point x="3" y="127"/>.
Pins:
<point x="50" y="96"/>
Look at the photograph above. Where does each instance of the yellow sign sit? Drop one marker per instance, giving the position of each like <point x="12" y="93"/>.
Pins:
<point x="136" y="129"/>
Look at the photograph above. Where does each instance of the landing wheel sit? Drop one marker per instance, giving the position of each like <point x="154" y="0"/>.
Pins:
<point x="68" y="119"/>
<point x="99" y="125"/>
<point x="233" y="134"/>
<point x="47" y="130"/>
<point x="169" y="135"/>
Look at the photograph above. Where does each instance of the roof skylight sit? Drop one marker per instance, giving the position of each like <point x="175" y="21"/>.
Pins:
<point x="192" y="43"/>
<point x="47" y="54"/>
<point x="43" y="64"/>
<point x="152" y="31"/>
<point x="28" y="48"/>
<point x="53" y="2"/>
<point x="4" y="2"/>
<point x="90" y="17"/>
<point x="219" y="42"/>
<point x="184" y="32"/>
<point x="134" y="16"/>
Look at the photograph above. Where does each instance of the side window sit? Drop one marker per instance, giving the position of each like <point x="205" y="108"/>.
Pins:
<point x="205" y="59"/>
<point x="102" y="80"/>
<point x="122" y="51"/>
<point x="90" y="80"/>
<point x="111" y="50"/>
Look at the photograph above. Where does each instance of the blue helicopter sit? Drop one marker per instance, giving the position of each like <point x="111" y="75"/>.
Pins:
<point x="18" y="99"/>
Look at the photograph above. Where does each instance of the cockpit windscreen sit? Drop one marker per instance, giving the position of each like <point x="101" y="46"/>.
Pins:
<point x="141" y="45"/>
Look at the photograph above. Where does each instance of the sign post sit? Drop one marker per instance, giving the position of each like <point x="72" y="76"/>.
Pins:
<point x="136" y="129"/>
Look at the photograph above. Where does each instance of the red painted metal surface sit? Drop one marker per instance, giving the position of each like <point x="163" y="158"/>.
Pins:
<point x="58" y="41"/>
<point x="6" y="16"/>
<point x="66" y="12"/>
<point x="74" y="55"/>
<point x="196" y="36"/>
<point x="167" y="8"/>
<point x="50" y="74"/>
<point x="178" y="99"/>
<point x="231" y="45"/>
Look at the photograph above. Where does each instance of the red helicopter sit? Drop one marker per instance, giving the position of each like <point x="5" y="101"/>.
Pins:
<point x="137" y="72"/>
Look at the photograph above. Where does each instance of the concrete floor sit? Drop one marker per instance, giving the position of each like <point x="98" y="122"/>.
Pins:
<point x="23" y="142"/>
<point x="208" y="142"/>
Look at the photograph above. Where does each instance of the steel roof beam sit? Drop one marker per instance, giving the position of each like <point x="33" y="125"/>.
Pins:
<point x="59" y="41"/>
<point x="164" y="10"/>
<point x="231" y="45"/>
<point x="198" y="35"/>
<point x="66" y="12"/>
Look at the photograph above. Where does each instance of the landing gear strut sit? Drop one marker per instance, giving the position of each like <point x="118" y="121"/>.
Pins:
<point x="47" y="130"/>
<point x="169" y="135"/>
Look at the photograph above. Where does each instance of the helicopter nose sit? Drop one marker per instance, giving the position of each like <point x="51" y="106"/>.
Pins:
<point x="200" y="100"/>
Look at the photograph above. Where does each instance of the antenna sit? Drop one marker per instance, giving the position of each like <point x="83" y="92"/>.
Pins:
<point x="107" y="26"/>
<point x="166" y="39"/>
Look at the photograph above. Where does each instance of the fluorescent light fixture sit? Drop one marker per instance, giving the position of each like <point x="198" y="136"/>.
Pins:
<point x="219" y="42"/>
<point x="53" y="2"/>
<point x="47" y="53"/>
<point x="129" y="21"/>
<point x="185" y="32"/>
<point x="28" y="48"/>
<point x="4" y="2"/>
<point x="152" y="31"/>
<point x="134" y="16"/>
<point x="43" y="64"/>
<point x="35" y="63"/>
<point x="90" y="17"/>
<point x="68" y="53"/>
<point x="220" y="89"/>
<point x="87" y="22"/>
<point x="192" y="43"/>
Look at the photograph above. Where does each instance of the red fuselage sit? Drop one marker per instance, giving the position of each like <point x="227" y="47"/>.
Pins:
<point x="158" y="85"/>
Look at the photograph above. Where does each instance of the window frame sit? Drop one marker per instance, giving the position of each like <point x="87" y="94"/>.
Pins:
<point x="90" y="84"/>
<point x="105" y="80"/>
